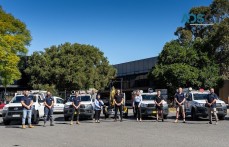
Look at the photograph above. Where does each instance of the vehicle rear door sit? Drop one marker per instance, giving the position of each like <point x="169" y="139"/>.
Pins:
<point x="58" y="105"/>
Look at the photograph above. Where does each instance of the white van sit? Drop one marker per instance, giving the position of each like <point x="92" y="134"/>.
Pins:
<point x="58" y="105"/>
<point x="14" y="110"/>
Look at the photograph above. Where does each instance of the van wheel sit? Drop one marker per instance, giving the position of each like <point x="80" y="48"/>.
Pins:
<point x="66" y="118"/>
<point x="165" y="116"/>
<point x="126" y="114"/>
<point x="91" y="117"/>
<point x="35" y="119"/>
<point x="221" y="117"/>
<point x="194" y="117"/>
<point x="107" y="116"/>
<point x="6" y="122"/>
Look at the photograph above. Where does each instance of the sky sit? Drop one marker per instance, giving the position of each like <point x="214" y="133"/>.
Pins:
<point x="125" y="30"/>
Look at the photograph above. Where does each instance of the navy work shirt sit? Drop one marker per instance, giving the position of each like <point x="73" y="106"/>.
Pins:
<point x="159" y="99"/>
<point x="27" y="101"/>
<point x="76" y="101"/>
<point x="180" y="97"/>
<point x="49" y="100"/>
<point x="118" y="98"/>
<point x="211" y="97"/>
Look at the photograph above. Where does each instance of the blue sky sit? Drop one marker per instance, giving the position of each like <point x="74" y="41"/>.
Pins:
<point x="125" y="30"/>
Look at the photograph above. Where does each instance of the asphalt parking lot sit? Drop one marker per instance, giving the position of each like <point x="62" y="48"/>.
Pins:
<point x="108" y="133"/>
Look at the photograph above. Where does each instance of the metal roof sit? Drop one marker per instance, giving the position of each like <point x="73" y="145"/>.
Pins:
<point x="135" y="67"/>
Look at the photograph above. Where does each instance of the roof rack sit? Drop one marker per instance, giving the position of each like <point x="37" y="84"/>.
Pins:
<point x="38" y="91"/>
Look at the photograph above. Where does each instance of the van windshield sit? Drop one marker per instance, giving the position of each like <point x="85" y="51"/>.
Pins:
<point x="148" y="97"/>
<point x="17" y="99"/>
<point x="82" y="98"/>
<point x="200" y="96"/>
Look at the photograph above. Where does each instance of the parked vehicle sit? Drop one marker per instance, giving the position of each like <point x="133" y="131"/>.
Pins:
<point x="148" y="106"/>
<point x="14" y="111"/>
<point x="86" y="107"/>
<point x="195" y="104"/>
<point x="58" y="104"/>
<point x="2" y="104"/>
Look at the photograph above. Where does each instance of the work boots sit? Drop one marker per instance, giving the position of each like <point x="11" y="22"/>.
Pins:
<point x="30" y="126"/>
<point x="23" y="127"/>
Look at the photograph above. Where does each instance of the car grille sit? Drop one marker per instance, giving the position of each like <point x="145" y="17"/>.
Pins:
<point x="15" y="108"/>
<point x="82" y="106"/>
<point x="82" y="110"/>
<point x="15" y="113"/>
<point x="151" y="105"/>
<point x="219" y="109"/>
<point x="218" y="105"/>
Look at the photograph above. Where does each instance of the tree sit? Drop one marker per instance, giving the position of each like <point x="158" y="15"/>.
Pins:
<point x="212" y="39"/>
<point x="184" y="66"/>
<point x="70" y="66"/>
<point x="217" y="46"/>
<point x="199" y="57"/>
<point x="14" y="37"/>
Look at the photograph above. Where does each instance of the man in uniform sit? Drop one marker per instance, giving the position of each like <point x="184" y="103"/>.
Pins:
<point x="180" y="99"/>
<point x="118" y="99"/>
<point x="49" y="102"/>
<point x="27" y="104"/>
<point x="76" y="107"/>
<point x="159" y="105"/>
<point x="211" y="104"/>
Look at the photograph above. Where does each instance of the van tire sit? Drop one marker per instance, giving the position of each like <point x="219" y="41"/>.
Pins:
<point x="6" y="122"/>
<point x="66" y="118"/>
<point x="193" y="114"/>
<point x="221" y="117"/>
<point x="35" y="118"/>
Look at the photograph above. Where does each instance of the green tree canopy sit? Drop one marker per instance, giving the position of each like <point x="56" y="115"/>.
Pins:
<point x="212" y="39"/>
<point x="200" y="55"/>
<point x="70" y="66"/>
<point x="14" y="37"/>
<point x="180" y="65"/>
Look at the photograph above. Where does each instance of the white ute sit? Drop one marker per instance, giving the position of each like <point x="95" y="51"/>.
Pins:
<point x="86" y="107"/>
<point x="195" y="104"/>
<point x="13" y="110"/>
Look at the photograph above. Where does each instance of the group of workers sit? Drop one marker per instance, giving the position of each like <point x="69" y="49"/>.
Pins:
<point x="179" y="97"/>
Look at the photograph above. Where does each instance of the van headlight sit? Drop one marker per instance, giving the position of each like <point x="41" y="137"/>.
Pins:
<point x="223" y="105"/>
<point x="199" y="104"/>
<point x="164" y="104"/>
<point x="66" y="106"/>
<point x="88" y="106"/>
<point x="5" y="108"/>
<point x="143" y="105"/>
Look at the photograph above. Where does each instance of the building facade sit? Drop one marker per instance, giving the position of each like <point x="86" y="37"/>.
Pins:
<point x="135" y="76"/>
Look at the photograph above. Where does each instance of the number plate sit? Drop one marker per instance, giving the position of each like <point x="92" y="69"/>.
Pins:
<point x="154" y="112"/>
<point x="16" y="115"/>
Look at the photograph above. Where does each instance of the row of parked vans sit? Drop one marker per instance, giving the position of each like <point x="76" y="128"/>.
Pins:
<point x="194" y="106"/>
